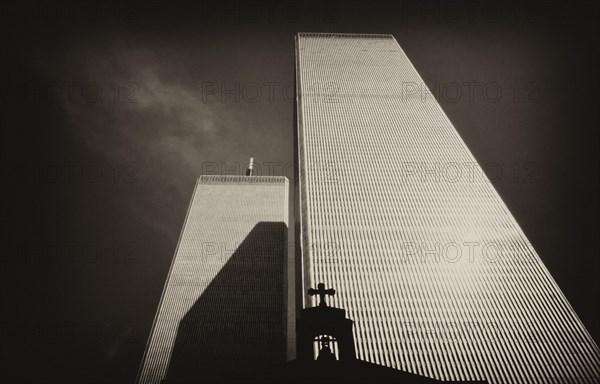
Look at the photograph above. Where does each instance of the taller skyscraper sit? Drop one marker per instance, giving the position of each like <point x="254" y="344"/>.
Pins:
<point x="223" y="308"/>
<point x="393" y="212"/>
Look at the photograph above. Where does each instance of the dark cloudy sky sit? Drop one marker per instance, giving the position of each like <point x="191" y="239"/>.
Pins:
<point x="110" y="111"/>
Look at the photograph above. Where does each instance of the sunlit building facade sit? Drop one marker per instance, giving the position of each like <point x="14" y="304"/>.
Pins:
<point x="224" y="304"/>
<point x="393" y="212"/>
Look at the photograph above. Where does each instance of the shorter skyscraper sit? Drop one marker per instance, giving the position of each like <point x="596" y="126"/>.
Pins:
<point x="224" y="306"/>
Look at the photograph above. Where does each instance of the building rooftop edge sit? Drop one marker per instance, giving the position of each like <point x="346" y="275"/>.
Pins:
<point x="242" y="179"/>
<point x="333" y="34"/>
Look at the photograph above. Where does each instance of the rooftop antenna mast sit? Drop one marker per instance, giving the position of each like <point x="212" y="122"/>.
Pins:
<point x="250" y="170"/>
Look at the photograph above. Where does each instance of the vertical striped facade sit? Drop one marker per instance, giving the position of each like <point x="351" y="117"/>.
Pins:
<point x="396" y="216"/>
<point x="223" y="308"/>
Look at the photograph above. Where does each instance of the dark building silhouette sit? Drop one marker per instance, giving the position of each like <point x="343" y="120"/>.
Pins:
<point x="234" y="323"/>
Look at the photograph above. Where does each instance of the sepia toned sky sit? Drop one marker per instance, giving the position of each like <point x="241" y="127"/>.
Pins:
<point x="110" y="111"/>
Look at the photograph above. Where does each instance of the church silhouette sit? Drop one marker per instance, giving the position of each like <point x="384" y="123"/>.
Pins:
<point x="330" y="331"/>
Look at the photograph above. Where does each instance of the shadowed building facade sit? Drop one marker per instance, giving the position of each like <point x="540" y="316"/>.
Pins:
<point x="393" y="211"/>
<point x="223" y="308"/>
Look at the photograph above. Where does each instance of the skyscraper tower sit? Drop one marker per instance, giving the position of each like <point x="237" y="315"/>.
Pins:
<point x="393" y="211"/>
<point x="224" y="304"/>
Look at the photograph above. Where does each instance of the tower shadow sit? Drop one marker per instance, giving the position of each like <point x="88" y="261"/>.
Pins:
<point x="239" y="320"/>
